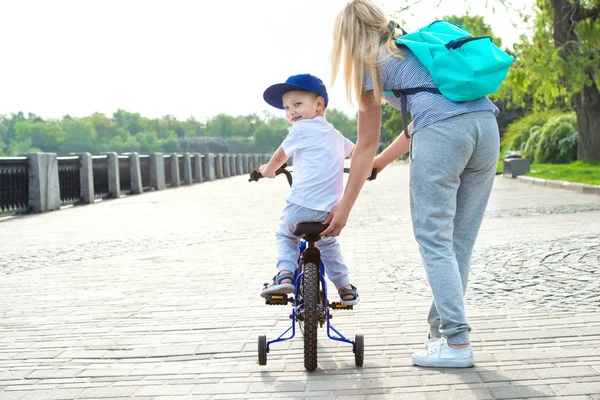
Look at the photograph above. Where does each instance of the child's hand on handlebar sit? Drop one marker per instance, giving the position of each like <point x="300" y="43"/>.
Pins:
<point x="265" y="172"/>
<point x="378" y="164"/>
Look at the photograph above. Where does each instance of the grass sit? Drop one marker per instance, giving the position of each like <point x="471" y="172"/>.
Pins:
<point x="577" y="171"/>
<point x="588" y="172"/>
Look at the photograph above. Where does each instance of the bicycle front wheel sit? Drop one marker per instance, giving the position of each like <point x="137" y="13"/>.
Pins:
<point x="311" y="314"/>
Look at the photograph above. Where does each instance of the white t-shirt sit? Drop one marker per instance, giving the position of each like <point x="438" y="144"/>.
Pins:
<point x="319" y="151"/>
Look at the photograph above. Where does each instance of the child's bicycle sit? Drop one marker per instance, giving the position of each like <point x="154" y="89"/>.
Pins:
<point x="310" y="302"/>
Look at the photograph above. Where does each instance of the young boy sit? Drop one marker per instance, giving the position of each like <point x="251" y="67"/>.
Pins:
<point x="319" y="151"/>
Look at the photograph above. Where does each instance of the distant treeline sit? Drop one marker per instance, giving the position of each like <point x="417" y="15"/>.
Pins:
<point x="126" y="131"/>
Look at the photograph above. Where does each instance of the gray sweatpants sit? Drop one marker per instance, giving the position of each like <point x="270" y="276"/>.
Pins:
<point x="452" y="169"/>
<point x="287" y="244"/>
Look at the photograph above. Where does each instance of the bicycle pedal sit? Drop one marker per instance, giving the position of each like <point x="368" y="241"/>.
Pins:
<point x="278" y="299"/>
<point x="339" y="306"/>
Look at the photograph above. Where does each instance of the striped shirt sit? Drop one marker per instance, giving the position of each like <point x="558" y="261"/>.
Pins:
<point x="425" y="108"/>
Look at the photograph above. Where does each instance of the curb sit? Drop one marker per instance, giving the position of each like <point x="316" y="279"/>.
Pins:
<point x="573" y="186"/>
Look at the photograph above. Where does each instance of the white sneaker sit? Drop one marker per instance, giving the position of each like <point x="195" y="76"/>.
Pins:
<point x="429" y="341"/>
<point x="440" y="355"/>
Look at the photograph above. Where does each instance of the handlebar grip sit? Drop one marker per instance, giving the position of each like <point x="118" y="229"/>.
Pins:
<point x="373" y="175"/>
<point x="255" y="175"/>
<point x="281" y="169"/>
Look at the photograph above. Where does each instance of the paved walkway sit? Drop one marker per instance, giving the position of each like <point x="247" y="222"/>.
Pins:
<point x="156" y="296"/>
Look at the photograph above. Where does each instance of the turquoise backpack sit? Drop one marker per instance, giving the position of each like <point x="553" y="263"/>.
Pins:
<point x="463" y="67"/>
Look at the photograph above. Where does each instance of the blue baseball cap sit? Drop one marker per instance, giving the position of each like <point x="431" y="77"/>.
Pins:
<point x="295" y="83"/>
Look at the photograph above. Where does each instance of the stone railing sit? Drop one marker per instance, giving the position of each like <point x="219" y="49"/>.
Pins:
<point x="40" y="182"/>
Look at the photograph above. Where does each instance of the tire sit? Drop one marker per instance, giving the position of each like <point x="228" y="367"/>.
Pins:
<point x="262" y="350"/>
<point x="359" y="350"/>
<point x="311" y="317"/>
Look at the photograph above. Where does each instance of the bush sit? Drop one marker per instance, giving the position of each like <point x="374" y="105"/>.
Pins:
<point x="528" y="148"/>
<point x="557" y="142"/>
<point x="518" y="133"/>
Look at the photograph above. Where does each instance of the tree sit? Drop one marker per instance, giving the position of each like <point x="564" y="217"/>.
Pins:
<point x="193" y="128"/>
<point x="221" y="125"/>
<point x="105" y="127"/>
<point x="45" y="135"/>
<point x="560" y="65"/>
<point x="271" y="132"/>
<point x="476" y="26"/>
<point x="342" y="123"/>
<point x="131" y="123"/>
<point x="79" y="136"/>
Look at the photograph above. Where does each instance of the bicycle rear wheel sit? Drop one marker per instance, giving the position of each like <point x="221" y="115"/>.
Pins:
<point x="311" y="317"/>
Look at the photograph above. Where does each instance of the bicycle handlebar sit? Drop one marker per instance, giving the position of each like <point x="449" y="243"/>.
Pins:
<point x="370" y="178"/>
<point x="255" y="175"/>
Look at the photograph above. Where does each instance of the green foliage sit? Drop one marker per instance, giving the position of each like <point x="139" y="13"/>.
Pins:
<point x="220" y="126"/>
<point x="530" y="145"/>
<point x="518" y="132"/>
<point x="544" y="137"/>
<point x="557" y="141"/>
<point x="342" y="123"/>
<point x="79" y="136"/>
<point x="125" y="131"/>
<point x="475" y="25"/>
<point x="547" y="72"/>
<point x="272" y="133"/>
<point x="41" y="135"/>
<point x="171" y="145"/>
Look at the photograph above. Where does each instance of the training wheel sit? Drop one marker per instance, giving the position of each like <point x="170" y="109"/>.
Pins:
<point x="262" y="350"/>
<point x="359" y="350"/>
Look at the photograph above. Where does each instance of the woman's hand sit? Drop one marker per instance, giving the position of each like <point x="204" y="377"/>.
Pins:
<point x="337" y="218"/>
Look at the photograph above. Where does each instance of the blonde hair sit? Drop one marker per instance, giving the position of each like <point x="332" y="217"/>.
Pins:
<point x="360" y="28"/>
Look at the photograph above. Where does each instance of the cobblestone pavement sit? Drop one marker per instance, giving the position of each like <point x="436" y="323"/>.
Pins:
<point x="156" y="296"/>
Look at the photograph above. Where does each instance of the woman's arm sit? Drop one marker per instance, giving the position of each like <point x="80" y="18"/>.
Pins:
<point x="369" y="125"/>
<point x="397" y="149"/>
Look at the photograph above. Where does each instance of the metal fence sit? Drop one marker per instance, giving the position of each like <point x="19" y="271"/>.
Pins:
<point x="100" y="172"/>
<point x="196" y="160"/>
<point x="168" y="173"/>
<point x="104" y="178"/>
<point x="69" y="179"/>
<point x="181" y="163"/>
<point x="145" y="170"/>
<point x="14" y="184"/>
<point x="205" y="167"/>
<point x="125" y="174"/>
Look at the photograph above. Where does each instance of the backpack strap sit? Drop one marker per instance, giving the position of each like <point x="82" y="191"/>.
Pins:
<point x="392" y="25"/>
<point x="404" y="103"/>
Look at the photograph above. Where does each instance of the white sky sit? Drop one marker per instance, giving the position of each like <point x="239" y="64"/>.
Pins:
<point x="180" y="57"/>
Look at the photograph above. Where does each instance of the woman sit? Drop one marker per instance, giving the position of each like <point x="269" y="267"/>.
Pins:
<point x="453" y="154"/>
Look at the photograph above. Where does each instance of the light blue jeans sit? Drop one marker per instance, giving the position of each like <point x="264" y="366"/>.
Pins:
<point x="287" y="244"/>
<point x="452" y="169"/>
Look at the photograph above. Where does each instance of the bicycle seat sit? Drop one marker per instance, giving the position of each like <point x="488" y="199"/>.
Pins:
<point x="309" y="228"/>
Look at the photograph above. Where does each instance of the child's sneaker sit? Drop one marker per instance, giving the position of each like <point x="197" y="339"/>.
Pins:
<point x="345" y="293"/>
<point x="277" y="287"/>
<point x="440" y="355"/>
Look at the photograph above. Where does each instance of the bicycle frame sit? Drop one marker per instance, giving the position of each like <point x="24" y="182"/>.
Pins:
<point x="299" y="304"/>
